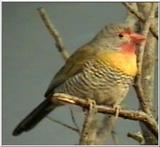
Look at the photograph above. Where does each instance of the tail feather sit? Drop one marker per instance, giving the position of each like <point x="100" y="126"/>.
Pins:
<point x="29" y="122"/>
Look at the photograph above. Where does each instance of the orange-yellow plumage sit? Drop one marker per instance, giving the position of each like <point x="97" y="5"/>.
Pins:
<point x="102" y="69"/>
<point x="125" y="63"/>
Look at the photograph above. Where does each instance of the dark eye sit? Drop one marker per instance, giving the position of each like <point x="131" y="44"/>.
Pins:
<point x="120" y="35"/>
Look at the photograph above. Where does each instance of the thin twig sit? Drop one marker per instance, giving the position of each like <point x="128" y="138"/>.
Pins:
<point x="138" y="82"/>
<point x="140" y="17"/>
<point x="137" y="136"/>
<point x="74" y="120"/>
<point x="131" y="19"/>
<point x="54" y="33"/>
<point x="149" y="122"/>
<point x="88" y="133"/>
<point x="63" y="124"/>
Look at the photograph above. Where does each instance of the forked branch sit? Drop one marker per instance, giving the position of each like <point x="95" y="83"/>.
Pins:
<point x="126" y="114"/>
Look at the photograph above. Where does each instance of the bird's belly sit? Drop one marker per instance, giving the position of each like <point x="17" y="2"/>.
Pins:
<point x="111" y="95"/>
<point x="104" y="91"/>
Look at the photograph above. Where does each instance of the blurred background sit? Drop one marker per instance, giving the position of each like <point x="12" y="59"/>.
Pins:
<point x="30" y="60"/>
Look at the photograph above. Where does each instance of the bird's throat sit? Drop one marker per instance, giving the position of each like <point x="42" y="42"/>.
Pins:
<point x="122" y="61"/>
<point x="128" y="48"/>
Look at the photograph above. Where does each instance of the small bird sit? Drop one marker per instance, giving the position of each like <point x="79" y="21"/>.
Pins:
<point x="103" y="69"/>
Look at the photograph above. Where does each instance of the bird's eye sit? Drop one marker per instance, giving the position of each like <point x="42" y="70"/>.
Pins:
<point x="120" y="35"/>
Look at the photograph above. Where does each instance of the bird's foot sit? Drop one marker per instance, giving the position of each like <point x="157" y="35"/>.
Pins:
<point x="92" y="105"/>
<point x="117" y="109"/>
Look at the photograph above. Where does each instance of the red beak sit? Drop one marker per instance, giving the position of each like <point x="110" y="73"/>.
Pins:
<point x="137" y="38"/>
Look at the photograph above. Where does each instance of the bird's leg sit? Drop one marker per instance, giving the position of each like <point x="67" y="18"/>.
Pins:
<point x="117" y="107"/>
<point x="92" y="105"/>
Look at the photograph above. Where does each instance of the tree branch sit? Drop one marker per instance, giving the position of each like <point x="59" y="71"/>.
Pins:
<point x="63" y="124"/>
<point x="141" y="18"/>
<point x="138" y="81"/>
<point x="88" y="134"/>
<point x="54" y="33"/>
<point x="74" y="120"/>
<point x="131" y="19"/>
<point x="137" y="136"/>
<point x="146" y="81"/>
<point x="126" y="114"/>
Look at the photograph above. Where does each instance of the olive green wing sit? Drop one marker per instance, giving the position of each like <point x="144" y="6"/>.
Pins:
<point x="72" y="66"/>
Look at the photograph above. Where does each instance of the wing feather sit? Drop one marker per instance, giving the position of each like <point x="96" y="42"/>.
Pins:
<point x="72" y="66"/>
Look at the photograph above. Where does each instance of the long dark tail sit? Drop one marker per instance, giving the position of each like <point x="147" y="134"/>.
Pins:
<point x="34" y="117"/>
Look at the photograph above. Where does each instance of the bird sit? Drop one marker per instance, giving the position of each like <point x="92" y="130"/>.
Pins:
<point x="103" y="70"/>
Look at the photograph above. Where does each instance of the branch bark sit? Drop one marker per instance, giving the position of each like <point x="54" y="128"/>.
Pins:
<point x="89" y="128"/>
<point x="63" y="124"/>
<point x="74" y="120"/>
<point x="137" y="136"/>
<point x="140" y="17"/>
<point x="126" y="114"/>
<point x="148" y="70"/>
<point x="54" y="33"/>
<point x="138" y="82"/>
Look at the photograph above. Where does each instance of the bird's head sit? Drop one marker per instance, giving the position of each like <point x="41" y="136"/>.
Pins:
<point x="119" y="37"/>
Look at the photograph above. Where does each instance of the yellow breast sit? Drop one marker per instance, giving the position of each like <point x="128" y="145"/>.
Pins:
<point x="124" y="62"/>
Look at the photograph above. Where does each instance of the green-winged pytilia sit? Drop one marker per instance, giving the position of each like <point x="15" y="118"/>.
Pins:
<point x="103" y="69"/>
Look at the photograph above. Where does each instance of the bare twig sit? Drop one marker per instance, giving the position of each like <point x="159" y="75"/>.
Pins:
<point x="148" y="71"/>
<point x="137" y="136"/>
<point x="63" y="51"/>
<point x="131" y="19"/>
<point x="54" y="33"/>
<point x="140" y="17"/>
<point x="138" y="82"/>
<point x="63" y="124"/>
<point x="133" y="11"/>
<point x="74" y="120"/>
<point x="89" y="126"/>
<point x="149" y="122"/>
